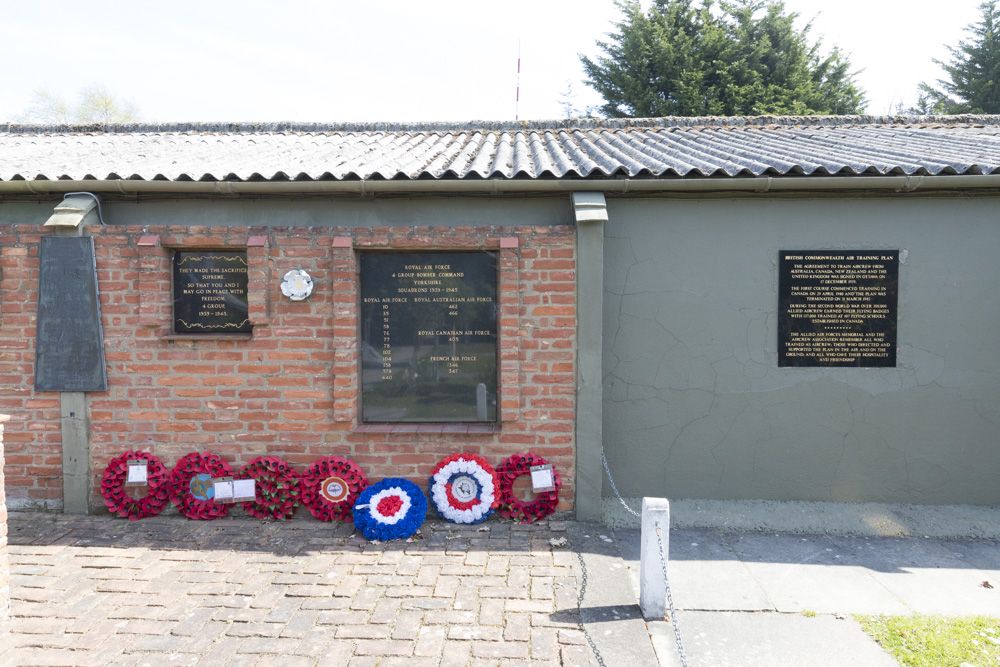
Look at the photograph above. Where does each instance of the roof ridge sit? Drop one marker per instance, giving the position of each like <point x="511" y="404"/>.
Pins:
<point x="502" y="126"/>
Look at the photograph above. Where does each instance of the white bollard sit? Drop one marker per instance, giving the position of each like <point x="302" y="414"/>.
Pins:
<point x="652" y="584"/>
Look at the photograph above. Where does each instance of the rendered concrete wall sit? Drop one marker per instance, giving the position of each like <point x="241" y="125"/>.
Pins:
<point x="695" y="405"/>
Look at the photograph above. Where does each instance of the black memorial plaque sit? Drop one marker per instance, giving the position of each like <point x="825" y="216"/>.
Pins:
<point x="837" y="307"/>
<point x="429" y="337"/>
<point x="69" y="341"/>
<point x="210" y="292"/>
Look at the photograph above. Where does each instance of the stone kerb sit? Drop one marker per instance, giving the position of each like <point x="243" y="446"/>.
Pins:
<point x="4" y="559"/>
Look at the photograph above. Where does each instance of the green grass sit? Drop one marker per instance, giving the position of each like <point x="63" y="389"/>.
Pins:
<point x="937" y="641"/>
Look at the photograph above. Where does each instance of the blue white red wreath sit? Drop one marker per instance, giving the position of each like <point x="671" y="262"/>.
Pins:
<point x="464" y="489"/>
<point x="390" y="510"/>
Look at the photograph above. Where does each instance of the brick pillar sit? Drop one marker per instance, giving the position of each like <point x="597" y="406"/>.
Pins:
<point x="4" y="560"/>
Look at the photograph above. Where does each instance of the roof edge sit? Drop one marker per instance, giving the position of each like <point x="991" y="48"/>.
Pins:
<point x="619" y="186"/>
<point x="507" y="125"/>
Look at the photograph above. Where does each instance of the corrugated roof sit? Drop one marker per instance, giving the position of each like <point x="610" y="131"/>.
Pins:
<point x="662" y="148"/>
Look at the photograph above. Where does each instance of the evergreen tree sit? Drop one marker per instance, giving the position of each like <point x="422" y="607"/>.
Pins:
<point x="973" y="83"/>
<point x="679" y="59"/>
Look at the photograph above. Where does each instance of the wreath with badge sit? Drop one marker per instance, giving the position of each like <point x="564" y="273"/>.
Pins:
<point x="511" y="507"/>
<point x="390" y="510"/>
<point x="119" y="502"/>
<point x="193" y="485"/>
<point x="330" y="487"/>
<point x="464" y="489"/>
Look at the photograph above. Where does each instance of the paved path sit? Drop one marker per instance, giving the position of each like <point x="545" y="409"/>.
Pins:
<point x="776" y="600"/>
<point x="238" y="591"/>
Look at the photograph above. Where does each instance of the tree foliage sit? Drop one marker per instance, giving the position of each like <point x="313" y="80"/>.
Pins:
<point x="973" y="75"/>
<point x="748" y="59"/>
<point x="95" y="105"/>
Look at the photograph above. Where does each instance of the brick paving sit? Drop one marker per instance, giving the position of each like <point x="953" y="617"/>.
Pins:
<point x="97" y="590"/>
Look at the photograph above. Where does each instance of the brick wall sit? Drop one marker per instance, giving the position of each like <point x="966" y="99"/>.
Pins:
<point x="292" y="390"/>
<point x="4" y="558"/>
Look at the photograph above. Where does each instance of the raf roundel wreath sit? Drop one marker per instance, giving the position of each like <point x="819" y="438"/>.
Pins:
<point x="544" y="503"/>
<point x="121" y="503"/>
<point x="330" y="487"/>
<point x="193" y="486"/>
<point x="390" y="510"/>
<point x="464" y="488"/>
<point x="276" y="488"/>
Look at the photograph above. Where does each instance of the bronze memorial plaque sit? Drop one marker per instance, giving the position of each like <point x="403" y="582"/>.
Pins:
<point x="210" y="292"/>
<point x="837" y="307"/>
<point x="428" y="337"/>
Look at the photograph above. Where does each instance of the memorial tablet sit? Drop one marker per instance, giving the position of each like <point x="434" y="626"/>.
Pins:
<point x="210" y="292"/>
<point x="69" y="340"/>
<point x="428" y="337"/>
<point x="837" y="307"/>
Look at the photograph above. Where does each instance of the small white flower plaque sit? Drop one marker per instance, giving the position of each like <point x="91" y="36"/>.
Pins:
<point x="297" y="285"/>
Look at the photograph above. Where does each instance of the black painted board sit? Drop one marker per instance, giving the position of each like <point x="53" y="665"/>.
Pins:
<point x="428" y="337"/>
<point x="837" y="308"/>
<point x="210" y="292"/>
<point x="69" y="341"/>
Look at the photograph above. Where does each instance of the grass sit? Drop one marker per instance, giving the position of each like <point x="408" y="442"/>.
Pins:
<point x="937" y="641"/>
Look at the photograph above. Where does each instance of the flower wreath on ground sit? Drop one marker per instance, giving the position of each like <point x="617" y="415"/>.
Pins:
<point x="544" y="503"/>
<point x="390" y="510"/>
<point x="124" y="505"/>
<point x="330" y="486"/>
<point x="276" y="488"/>
<point x="192" y="482"/>
<point x="464" y="489"/>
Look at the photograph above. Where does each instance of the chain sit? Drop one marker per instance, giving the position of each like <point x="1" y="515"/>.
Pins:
<point x="663" y="564"/>
<point x="579" y="604"/>
<point x="670" y="601"/>
<point x="615" y="488"/>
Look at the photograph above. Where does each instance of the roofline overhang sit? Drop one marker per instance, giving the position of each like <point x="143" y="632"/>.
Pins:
<point x="498" y="186"/>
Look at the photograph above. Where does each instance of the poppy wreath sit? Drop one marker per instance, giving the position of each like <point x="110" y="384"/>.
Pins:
<point x="544" y="503"/>
<point x="124" y="505"/>
<point x="390" y="510"/>
<point x="192" y="486"/>
<point x="464" y="488"/>
<point x="330" y="486"/>
<point x="276" y="488"/>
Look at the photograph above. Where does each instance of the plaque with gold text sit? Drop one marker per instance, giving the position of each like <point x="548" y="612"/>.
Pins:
<point x="837" y="307"/>
<point x="210" y="292"/>
<point x="428" y="334"/>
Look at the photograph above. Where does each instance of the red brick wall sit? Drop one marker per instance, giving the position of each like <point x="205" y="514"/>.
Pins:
<point x="292" y="390"/>
<point x="4" y="558"/>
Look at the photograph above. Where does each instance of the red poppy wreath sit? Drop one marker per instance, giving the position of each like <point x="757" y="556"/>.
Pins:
<point x="276" y="486"/>
<point x="511" y="507"/>
<point x="193" y="485"/>
<point x="124" y="505"/>
<point x="330" y="486"/>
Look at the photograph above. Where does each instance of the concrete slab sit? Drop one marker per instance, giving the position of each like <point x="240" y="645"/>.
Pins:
<point x="609" y="608"/>
<point x="812" y="573"/>
<point x="724" y="639"/>
<point x="697" y="556"/>
<point x="871" y="519"/>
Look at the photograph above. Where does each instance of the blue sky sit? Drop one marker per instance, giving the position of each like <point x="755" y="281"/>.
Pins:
<point x="441" y="60"/>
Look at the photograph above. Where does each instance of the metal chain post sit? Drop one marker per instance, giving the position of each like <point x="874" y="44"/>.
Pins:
<point x="663" y="564"/>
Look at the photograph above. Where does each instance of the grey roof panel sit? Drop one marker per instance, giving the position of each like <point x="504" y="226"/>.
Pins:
<point x="638" y="148"/>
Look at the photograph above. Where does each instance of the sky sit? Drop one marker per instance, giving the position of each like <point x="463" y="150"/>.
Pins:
<point x="390" y="60"/>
